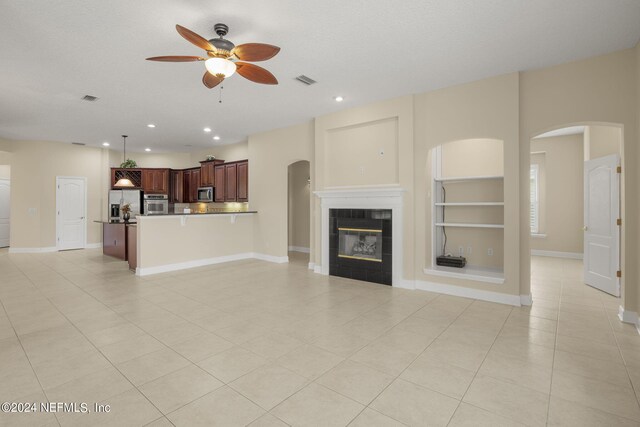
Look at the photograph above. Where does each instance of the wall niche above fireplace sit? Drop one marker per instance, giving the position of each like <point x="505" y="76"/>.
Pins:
<point x="360" y="244"/>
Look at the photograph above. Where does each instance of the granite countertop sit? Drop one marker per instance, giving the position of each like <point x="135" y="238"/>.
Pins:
<point x="203" y="213"/>
<point x="115" y="222"/>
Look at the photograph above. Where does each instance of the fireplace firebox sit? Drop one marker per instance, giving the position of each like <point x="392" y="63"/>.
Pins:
<point x="360" y="244"/>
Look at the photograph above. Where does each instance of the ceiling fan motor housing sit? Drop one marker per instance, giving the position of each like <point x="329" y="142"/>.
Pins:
<point x="222" y="43"/>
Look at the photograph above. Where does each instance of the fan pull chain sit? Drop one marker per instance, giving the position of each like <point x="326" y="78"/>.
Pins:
<point x="220" y="98"/>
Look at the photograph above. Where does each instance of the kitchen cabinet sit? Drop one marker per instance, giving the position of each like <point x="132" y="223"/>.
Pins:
<point x="207" y="172"/>
<point x="191" y="184"/>
<point x="114" y="240"/>
<point x="242" y="173"/>
<point x="219" y="177"/>
<point x="232" y="182"/>
<point x="176" y="195"/>
<point x="134" y="175"/>
<point x="132" y="246"/>
<point x="155" y="181"/>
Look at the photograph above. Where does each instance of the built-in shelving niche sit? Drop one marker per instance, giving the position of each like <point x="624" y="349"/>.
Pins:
<point x="470" y="210"/>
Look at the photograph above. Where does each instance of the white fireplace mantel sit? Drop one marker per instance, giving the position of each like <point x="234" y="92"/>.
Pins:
<point x="384" y="197"/>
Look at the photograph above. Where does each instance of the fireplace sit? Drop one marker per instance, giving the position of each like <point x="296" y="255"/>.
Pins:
<point x="360" y="244"/>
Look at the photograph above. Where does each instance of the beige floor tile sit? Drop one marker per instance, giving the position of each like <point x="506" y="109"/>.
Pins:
<point x="178" y="388"/>
<point x="531" y="353"/>
<point x="309" y="361"/>
<point x="414" y="405"/>
<point x="508" y="400"/>
<point x="456" y="353"/>
<point x="160" y="422"/>
<point x="269" y="385"/>
<point x="114" y="334"/>
<point x="517" y="371"/>
<point x="566" y="413"/>
<point x="273" y="345"/>
<point x="384" y="358"/>
<point x="589" y="348"/>
<point x="222" y="407"/>
<point x="316" y="405"/>
<point x="268" y="420"/>
<point x="17" y="379"/>
<point x="131" y="348"/>
<point x="357" y="381"/>
<point x="232" y="364"/>
<point x="147" y="368"/>
<point x="439" y="376"/>
<point x="597" y="369"/>
<point x="371" y="418"/>
<point x="607" y="397"/>
<point x="37" y="418"/>
<point x="95" y="387"/>
<point x="533" y="336"/>
<point x="201" y="346"/>
<point x="341" y="343"/>
<point x="55" y="372"/>
<point x="471" y="416"/>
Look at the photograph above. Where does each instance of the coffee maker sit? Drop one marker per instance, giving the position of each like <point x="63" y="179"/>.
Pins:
<point x="114" y="212"/>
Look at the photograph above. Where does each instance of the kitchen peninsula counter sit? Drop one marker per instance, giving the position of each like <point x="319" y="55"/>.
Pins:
<point x="177" y="241"/>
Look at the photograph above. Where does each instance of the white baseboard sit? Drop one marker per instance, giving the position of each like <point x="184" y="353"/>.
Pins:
<point x="93" y="245"/>
<point x="312" y="265"/>
<point x="556" y="254"/>
<point x="208" y="261"/>
<point x="479" y="294"/>
<point x="31" y="250"/>
<point x="299" y="249"/>
<point x="627" y="316"/>
<point x="317" y="269"/>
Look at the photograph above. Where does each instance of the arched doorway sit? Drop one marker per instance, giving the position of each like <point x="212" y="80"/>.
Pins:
<point x="298" y="212"/>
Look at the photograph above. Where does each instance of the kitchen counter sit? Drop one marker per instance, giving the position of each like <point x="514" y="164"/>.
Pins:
<point x="201" y="213"/>
<point x="115" y="222"/>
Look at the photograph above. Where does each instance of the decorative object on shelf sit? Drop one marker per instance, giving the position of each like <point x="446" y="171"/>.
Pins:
<point x="223" y="56"/>
<point x="126" y="212"/>
<point x="126" y="163"/>
<point x="210" y="157"/>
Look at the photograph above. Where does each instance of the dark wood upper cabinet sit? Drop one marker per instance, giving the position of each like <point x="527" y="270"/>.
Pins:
<point x="195" y="183"/>
<point x="243" y="181"/>
<point x="177" y="187"/>
<point x="220" y="183"/>
<point x="155" y="181"/>
<point x="207" y="172"/>
<point x="231" y="182"/>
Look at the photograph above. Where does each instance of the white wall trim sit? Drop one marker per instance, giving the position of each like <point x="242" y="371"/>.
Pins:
<point x="627" y="316"/>
<point x="312" y="265"/>
<point x="479" y="294"/>
<point x="31" y="250"/>
<point x="299" y="249"/>
<point x="208" y="261"/>
<point x="557" y="254"/>
<point x="317" y="268"/>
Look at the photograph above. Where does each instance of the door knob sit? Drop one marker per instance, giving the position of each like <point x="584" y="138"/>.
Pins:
<point x="585" y="228"/>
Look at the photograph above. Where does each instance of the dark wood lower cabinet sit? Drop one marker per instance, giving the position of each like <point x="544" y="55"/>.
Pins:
<point x="114" y="240"/>
<point x="132" y="246"/>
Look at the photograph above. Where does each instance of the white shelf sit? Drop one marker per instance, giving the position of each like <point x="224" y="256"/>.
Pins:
<point x="468" y="178"/>
<point x="478" y="274"/>
<point x="463" y="225"/>
<point x="469" y="203"/>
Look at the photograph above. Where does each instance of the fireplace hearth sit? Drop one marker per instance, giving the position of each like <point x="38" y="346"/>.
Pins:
<point x="360" y="244"/>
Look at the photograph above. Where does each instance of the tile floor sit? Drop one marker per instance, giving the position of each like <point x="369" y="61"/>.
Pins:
<point x="254" y="343"/>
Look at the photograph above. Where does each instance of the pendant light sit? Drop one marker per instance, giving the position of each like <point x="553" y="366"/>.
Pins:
<point x="124" y="181"/>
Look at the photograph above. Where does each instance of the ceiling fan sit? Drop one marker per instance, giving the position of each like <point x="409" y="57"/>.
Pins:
<point x="223" y="57"/>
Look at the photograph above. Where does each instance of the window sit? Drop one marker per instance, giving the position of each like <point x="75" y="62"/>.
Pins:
<point x="534" y="210"/>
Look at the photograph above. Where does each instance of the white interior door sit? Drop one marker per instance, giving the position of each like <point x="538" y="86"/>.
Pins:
<point x="5" y="199"/>
<point x="71" y="203"/>
<point x="601" y="231"/>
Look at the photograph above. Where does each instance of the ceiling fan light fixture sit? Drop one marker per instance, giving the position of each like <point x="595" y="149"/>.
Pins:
<point x="220" y="67"/>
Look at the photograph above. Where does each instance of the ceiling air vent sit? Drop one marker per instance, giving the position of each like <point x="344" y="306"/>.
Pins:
<point x="89" y="98"/>
<point x="306" y="80"/>
<point x="78" y="143"/>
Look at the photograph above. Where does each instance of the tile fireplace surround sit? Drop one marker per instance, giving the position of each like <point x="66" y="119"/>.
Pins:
<point x="379" y="198"/>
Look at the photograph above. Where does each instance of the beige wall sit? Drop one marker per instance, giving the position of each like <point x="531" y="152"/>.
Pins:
<point x="270" y="154"/>
<point x="594" y="91"/>
<point x="34" y="167"/>
<point x="299" y="204"/>
<point x="154" y="160"/>
<point x="5" y="171"/>
<point x="562" y="195"/>
<point x="227" y="152"/>
<point x="165" y="240"/>
<point x="478" y="110"/>
<point x="600" y="141"/>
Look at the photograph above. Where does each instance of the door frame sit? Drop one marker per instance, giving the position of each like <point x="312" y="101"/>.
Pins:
<point x="58" y="225"/>
<point x="9" y="181"/>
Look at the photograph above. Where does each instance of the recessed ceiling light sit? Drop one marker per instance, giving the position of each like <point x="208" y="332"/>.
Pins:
<point x="147" y="149"/>
<point x="339" y="98"/>
<point x="106" y="144"/>
<point x="151" y="125"/>
<point x="207" y="129"/>
<point x="217" y="138"/>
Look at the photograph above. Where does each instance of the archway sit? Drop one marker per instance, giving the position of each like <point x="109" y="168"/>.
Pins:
<point x="298" y="211"/>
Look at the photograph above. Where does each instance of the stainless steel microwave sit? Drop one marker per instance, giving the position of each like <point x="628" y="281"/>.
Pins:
<point x="205" y="194"/>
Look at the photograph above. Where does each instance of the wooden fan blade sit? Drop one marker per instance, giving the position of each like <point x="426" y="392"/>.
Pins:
<point x="176" y="58"/>
<point x="255" y="74"/>
<point x="194" y="38"/>
<point x="210" y="80"/>
<point x="255" y="51"/>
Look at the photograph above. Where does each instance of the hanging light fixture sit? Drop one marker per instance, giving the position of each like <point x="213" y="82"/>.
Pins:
<point x="124" y="181"/>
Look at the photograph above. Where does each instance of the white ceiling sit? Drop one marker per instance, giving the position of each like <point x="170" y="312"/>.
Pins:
<point x="56" y="51"/>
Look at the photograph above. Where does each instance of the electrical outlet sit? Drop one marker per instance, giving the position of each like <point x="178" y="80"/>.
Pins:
<point x="460" y="250"/>
<point x="490" y="251"/>
<point x="468" y="250"/>
<point x="361" y="170"/>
